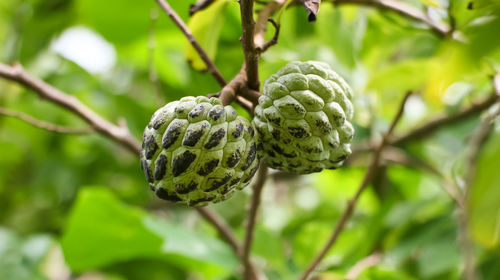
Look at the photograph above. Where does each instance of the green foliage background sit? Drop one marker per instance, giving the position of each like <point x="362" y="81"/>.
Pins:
<point x="79" y="207"/>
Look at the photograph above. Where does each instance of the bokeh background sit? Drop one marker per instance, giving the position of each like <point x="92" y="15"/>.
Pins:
<point x="78" y="207"/>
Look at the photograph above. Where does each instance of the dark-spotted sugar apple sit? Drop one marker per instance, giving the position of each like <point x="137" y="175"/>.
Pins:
<point x="196" y="151"/>
<point x="303" y="118"/>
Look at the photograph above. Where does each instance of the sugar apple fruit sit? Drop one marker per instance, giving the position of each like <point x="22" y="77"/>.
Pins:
<point x="196" y="151"/>
<point x="303" y="118"/>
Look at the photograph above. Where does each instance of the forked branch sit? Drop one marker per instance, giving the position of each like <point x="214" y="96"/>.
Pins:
<point x="117" y="133"/>
<point x="352" y="203"/>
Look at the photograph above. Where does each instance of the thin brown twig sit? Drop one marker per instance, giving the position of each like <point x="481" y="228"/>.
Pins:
<point x="252" y="217"/>
<point x="432" y="125"/>
<point x="476" y="143"/>
<point x="262" y="19"/>
<point x="117" y="133"/>
<point x="273" y="41"/>
<point x="405" y="10"/>
<point x="200" y="5"/>
<point x="479" y="137"/>
<point x="189" y="35"/>
<point x="247" y="41"/>
<point x="43" y="124"/>
<point x="363" y="264"/>
<point x="227" y="234"/>
<point x="352" y="203"/>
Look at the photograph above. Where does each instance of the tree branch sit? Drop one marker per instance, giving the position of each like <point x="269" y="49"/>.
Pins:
<point x="476" y="143"/>
<point x="43" y="124"/>
<point x="247" y="40"/>
<point x="252" y="217"/>
<point x="189" y="35"/>
<point x="263" y="17"/>
<point x="433" y="125"/>
<point x="405" y="10"/>
<point x="200" y="5"/>
<point x="352" y="203"/>
<point x="273" y="41"/>
<point x="117" y="133"/>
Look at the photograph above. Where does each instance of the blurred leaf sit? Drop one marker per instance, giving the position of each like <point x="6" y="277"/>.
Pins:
<point x="402" y="76"/>
<point x="206" y="26"/>
<point x="20" y="257"/>
<point x="101" y="231"/>
<point x="484" y="201"/>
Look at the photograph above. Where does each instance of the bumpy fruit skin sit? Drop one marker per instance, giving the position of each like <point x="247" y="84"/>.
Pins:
<point x="303" y="118"/>
<point x="196" y="151"/>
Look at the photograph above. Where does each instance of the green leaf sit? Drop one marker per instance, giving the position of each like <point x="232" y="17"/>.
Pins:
<point x="402" y="76"/>
<point x="103" y="231"/>
<point x="20" y="258"/>
<point x="484" y="200"/>
<point x="206" y="27"/>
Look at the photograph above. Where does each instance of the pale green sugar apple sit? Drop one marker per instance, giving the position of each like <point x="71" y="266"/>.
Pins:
<point x="196" y="151"/>
<point x="303" y="118"/>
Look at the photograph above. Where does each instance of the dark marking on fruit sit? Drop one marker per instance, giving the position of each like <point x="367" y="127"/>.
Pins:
<point x="147" y="171"/>
<point x="233" y="159"/>
<point x="342" y="157"/>
<point x="250" y="175"/>
<point x="276" y="121"/>
<point x="193" y="136"/>
<point x="332" y="168"/>
<point x="298" y="132"/>
<point x="181" y="162"/>
<point x="250" y="131"/>
<point x="183" y="189"/>
<point x="163" y="194"/>
<point x="218" y="183"/>
<point x="276" y="164"/>
<point x="158" y="123"/>
<point x="238" y="131"/>
<point x="339" y="159"/>
<point x="161" y="167"/>
<point x="310" y="150"/>
<point x="150" y="147"/>
<point x="215" y="138"/>
<point x="324" y="127"/>
<point x="235" y="181"/>
<point x="271" y="153"/>
<point x="252" y="153"/>
<point x="201" y="200"/>
<point x="197" y="111"/>
<point x="276" y="134"/>
<point x="172" y="134"/>
<point x="208" y="168"/>
<point x="280" y="151"/>
<point x="226" y="189"/>
<point x="296" y="107"/>
<point x="216" y="112"/>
